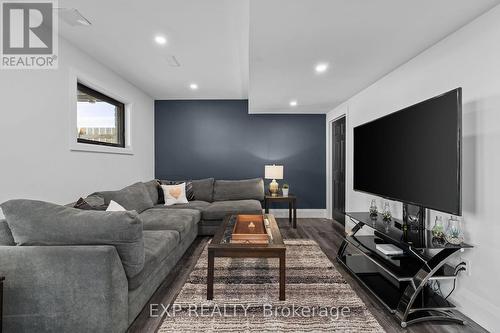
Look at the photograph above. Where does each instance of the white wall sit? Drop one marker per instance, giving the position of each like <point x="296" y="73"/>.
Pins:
<point x="35" y="109"/>
<point x="469" y="58"/>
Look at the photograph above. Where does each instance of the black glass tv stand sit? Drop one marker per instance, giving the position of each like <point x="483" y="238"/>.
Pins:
<point x="400" y="282"/>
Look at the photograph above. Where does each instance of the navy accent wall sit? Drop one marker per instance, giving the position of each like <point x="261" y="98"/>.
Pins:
<point x="218" y="138"/>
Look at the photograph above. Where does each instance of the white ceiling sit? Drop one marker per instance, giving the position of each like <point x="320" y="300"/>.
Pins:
<point x="263" y="49"/>
<point x="361" y="39"/>
<point x="208" y="38"/>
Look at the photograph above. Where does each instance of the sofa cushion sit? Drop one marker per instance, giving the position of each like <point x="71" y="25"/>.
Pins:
<point x="203" y="189"/>
<point x="239" y="189"/>
<point x="152" y="187"/>
<point x="219" y="209"/>
<point x="5" y="234"/>
<point x="180" y="220"/>
<point x="195" y="204"/>
<point x="95" y="199"/>
<point x="158" y="244"/>
<point x="41" y="223"/>
<point x="134" y="197"/>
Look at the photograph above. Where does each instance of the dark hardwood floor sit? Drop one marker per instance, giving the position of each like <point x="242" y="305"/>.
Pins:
<point x="328" y="234"/>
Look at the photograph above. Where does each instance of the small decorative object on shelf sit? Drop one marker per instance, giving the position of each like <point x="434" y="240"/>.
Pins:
<point x="438" y="228"/>
<point x="373" y="209"/>
<point x="386" y="213"/>
<point x="285" y="189"/>
<point x="454" y="234"/>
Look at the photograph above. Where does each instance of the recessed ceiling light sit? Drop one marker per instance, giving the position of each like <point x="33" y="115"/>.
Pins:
<point x="293" y="103"/>
<point x="193" y="86"/>
<point x="160" y="40"/>
<point x="321" y="67"/>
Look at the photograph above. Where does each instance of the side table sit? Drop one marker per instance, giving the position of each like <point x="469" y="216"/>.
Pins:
<point x="292" y="206"/>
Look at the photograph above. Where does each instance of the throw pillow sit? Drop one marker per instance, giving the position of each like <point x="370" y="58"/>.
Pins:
<point x="115" y="207"/>
<point x="83" y="204"/>
<point x="174" y="194"/>
<point x="189" y="189"/>
<point x="45" y="224"/>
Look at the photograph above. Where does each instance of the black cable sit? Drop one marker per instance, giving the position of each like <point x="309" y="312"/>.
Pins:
<point x="463" y="263"/>
<point x="436" y="286"/>
<point x="439" y="287"/>
<point x="455" y="280"/>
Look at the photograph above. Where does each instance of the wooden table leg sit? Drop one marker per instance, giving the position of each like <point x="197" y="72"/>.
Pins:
<point x="266" y="206"/>
<point x="295" y="214"/>
<point x="290" y="212"/>
<point x="282" y="276"/>
<point x="210" y="276"/>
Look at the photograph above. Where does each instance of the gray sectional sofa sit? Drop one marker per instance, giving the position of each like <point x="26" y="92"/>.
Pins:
<point x="64" y="275"/>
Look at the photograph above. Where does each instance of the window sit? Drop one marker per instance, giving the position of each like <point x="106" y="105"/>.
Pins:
<point x="100" y="118"/>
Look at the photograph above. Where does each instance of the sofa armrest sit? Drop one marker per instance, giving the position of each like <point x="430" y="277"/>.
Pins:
<point x="63" y="289"/>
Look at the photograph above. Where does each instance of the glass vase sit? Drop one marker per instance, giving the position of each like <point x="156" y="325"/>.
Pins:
<point x="373" y="209"/>
<point x="454" y="233"/>
<point x="438" y="228"/>
<point x="386" y="213"/>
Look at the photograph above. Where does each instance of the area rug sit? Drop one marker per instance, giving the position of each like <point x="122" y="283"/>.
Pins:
<point x="318" y="299"/>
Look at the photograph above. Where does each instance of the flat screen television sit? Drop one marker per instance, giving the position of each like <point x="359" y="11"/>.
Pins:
<point x="414" y="155"/>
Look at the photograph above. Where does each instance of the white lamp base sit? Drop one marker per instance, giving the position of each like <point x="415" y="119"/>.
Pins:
<point x="274" y="188"/>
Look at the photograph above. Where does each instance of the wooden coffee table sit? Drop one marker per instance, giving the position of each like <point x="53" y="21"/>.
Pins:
<point x="221" y="246"/>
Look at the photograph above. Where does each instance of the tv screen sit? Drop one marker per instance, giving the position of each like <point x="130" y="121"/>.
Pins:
<point x="413" y="155"/>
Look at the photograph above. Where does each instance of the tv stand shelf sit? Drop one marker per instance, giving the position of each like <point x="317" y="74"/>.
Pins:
<point x="400" y="282"/>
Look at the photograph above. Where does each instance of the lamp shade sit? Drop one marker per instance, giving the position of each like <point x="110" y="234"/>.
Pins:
<point x="273" y="172"/>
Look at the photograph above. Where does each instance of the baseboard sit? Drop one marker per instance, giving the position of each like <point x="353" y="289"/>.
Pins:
<point x="477" y="308"/>
<point x="301" y="213"/>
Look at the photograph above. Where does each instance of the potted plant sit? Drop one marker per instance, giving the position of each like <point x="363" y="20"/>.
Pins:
<point x="285" y="190"/>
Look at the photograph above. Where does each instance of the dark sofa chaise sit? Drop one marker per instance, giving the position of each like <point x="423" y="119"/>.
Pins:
<point x="82" y="288"/>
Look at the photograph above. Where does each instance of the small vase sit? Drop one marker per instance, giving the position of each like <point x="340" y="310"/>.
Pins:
<point x="386" y="213"/>
<point x="373" y="209"/>
<point x="285" y="192"/>
<point x="438" y="228"/>
<point x="454" y="234"/>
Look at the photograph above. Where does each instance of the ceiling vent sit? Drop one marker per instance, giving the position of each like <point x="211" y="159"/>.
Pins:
<point x="172" y="61"/>
<point x="73" y="17"/>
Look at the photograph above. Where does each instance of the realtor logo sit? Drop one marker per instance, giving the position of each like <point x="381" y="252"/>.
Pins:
<point x="29" y="35"/>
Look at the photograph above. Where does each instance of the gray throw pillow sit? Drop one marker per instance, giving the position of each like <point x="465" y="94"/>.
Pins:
<point x="41" y="223"/>
<point x="245" y="189"/>
<point x="203" y="189"/>
<point x="134" y="197"/>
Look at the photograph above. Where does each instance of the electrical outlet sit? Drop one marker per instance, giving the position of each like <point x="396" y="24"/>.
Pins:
<point x="467" y="265"/>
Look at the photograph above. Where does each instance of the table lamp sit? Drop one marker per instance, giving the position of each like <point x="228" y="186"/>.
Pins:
<point x="273" y="172"/>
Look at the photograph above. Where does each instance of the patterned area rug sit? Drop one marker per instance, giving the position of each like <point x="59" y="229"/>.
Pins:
<point x="318" y="299"/>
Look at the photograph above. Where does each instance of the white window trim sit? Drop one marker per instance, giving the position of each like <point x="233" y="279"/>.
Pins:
<point x="74" y="145"/>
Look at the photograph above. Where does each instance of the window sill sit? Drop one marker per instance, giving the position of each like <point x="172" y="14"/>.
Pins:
<point x="101" y="149"/>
